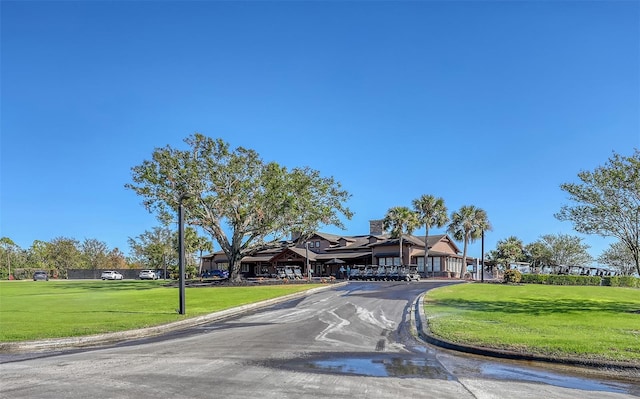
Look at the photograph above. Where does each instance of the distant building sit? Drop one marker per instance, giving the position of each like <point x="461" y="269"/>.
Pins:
<point x="326" y="253"/>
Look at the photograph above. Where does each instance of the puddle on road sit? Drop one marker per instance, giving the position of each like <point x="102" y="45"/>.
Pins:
<point x="550" y="378"/>
<point x="392" y="367"/>
<point x="373" y="366"/>
<point x="415" y="365"/>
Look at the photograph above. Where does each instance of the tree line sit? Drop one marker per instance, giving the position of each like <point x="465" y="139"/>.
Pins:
<point x="155" y="249"/>
<point x="469" y="222"/>
<point x="559" y="250"/>
<point x="246" y="204"/>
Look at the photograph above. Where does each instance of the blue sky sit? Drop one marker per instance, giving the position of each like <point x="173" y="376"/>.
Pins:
<point x="493" y="104"/>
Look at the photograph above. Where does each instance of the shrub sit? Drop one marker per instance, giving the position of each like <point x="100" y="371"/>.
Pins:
<point x="621" y="281"/>
<point x="512" y="276"/>
<point x="554" y="279"/>
<point x="535" y="279"/>
<point x="574" y="280"/>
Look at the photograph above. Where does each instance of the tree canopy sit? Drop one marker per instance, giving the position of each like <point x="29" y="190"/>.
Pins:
<point x="467" y="225"/>
<point x="618" y="257"/>
<point x="400" y="220"/>
<point x="58" y="256"/>
<point x="432" y="212"/>
<point x="242" y="201"/>
<point x="607" y="202"/>
<point x="508" y="251"/>
<point x="564" y="249"/>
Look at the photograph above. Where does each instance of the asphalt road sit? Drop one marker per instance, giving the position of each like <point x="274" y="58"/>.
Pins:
<point x="354" y="341"/>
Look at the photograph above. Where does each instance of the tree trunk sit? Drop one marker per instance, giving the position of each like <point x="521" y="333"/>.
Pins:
<point x="401" y="260"/>
<point x="464" y="259"/>
<point x="426" y="254"/>
<point x="235" y="261"/>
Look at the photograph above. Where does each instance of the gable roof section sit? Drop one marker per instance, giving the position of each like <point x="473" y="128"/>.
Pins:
<point x="354" y="243"/>
<point x="301" y="252"/>
<point x="332" y="238"/>
<point x="443" y="238"/>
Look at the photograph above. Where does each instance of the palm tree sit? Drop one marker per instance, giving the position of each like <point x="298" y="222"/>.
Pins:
<point x="467" y="225"/>
<point x="432" y="212"/>
<point x="399" y="220"/>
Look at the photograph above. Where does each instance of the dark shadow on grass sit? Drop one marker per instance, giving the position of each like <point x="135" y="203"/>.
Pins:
<point x="126" y="312"/>
<point x="37" y="311"/>
<point x="539" y="306"/>
<point x="111" y="285"/>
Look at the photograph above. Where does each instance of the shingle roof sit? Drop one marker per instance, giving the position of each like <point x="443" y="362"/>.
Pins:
<point x="357" y="246"/>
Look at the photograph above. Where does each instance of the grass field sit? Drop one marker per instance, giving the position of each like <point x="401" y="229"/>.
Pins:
<point x="587" y="322"/>
<point x="34" y="310"/>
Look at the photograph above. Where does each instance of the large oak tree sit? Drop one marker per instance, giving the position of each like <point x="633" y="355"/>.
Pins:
<point x="242" y="201"/>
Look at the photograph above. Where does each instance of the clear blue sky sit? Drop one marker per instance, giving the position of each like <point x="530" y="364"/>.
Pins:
<point x="493" y="104"/>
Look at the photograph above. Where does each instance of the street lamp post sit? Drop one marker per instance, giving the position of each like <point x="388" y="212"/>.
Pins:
<point x="482" y="259"/>
<point x="306" y="246"/>
<point x="181" y="257"/>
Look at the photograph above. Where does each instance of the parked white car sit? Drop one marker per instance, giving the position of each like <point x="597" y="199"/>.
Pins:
<point x="111" y="275"/>
<point x="148" y="275"/>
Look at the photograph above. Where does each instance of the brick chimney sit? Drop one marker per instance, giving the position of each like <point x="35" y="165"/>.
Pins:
<point x="375" y="227"/>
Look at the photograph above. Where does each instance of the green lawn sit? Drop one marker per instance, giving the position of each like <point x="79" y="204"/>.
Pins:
<point x="587" y="322"/>
<point x="48" y="309"/>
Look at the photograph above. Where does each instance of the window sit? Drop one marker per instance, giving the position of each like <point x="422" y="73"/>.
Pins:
<point x="436" y="264"/>
<point x="317" y="244"/>
<point x="454" y="264"/>
<point x="391" y="261"/>
<point x="244" y="268"/>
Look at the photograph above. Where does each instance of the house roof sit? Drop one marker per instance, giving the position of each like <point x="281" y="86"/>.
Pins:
<point x="345" y="255"/>
<point x="405" y="238"/>
<point x="263" y="258"/>
<point x="355" y="247"/>
<point x="333" y="238"/>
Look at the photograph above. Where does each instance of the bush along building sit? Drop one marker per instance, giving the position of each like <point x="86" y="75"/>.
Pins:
<point x="330" y="255"/>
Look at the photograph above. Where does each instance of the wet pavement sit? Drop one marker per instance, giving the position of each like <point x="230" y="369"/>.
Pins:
<point x="352" y="341"/>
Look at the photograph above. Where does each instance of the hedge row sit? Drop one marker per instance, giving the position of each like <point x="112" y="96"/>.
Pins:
<point x="621" y="281"/>
<point x="552" y="279"/>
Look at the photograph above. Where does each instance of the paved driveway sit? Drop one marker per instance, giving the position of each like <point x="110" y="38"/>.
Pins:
<point x="350" y="342"/>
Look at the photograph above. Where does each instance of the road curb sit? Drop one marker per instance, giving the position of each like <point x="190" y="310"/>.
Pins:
<point x="115" y="337"/>
<point x="422" y="327"/>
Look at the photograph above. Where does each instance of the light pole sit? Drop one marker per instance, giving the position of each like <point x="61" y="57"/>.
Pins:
<point x="306" y="246"/>
<point x="482" y="261"/>
<point x="181" y="251"/>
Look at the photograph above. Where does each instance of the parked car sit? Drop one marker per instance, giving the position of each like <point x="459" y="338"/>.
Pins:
<point x="40" y="275"/>
<point x="216" y="273"/>
<point x="111" y="275"/>
<point x="148" y="275"/>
